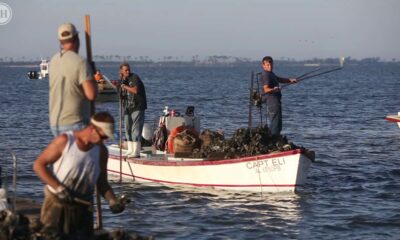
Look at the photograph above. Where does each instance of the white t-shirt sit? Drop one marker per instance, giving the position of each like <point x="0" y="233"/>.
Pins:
<point x="77" y="170"/>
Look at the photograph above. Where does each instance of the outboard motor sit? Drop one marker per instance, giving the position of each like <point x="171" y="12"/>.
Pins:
<point x="190" y="111"/>
<point x="33" y="75"/>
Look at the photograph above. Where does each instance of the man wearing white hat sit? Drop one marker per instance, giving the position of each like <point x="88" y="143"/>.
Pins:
<point x="71" y="166"/>
<point x="71" y="84"/>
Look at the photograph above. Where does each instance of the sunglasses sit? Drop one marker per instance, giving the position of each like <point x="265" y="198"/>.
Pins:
<point x="102" y="136"/>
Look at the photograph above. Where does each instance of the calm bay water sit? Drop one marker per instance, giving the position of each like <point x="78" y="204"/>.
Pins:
<point x="353" y="188"/>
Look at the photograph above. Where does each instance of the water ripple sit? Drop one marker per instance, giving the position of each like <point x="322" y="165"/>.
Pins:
<point x="352" y="191"/>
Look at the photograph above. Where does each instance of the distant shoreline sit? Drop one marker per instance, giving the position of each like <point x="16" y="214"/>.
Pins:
<point x="217" y="62"/>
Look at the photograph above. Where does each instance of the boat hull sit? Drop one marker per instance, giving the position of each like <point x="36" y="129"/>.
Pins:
<point x="280" y="172"/>
<point x="107" y="97"/>
<point x="394" y="118"/>
<point x="106" y="92"/>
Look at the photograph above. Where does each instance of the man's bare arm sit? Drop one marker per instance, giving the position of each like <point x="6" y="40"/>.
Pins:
<point x="50" y="155"/>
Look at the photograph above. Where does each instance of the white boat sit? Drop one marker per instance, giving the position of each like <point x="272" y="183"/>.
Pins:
<point x="107" y="92"/>
<point x="312" y="65"/>
<point x="43" y="71"/>
<point x="3" y="194"/>
<point x="275" y="172"/>
<point x="394" y="118"/>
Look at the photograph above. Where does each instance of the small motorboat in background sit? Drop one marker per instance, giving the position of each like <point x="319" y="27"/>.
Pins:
<point x="42" y="73"/>
<point x="394" y="118"/>
<point x="107" y="90"/>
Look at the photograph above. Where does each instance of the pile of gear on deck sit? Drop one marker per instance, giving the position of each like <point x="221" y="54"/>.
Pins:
<point x="244" y="142"/>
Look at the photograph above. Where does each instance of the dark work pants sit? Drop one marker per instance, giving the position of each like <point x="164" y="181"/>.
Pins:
<point x="274" y="113"/>
<point x="134" y="126"/>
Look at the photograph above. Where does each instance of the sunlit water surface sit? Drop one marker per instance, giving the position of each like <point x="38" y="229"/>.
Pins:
<point x="352" y="191"/>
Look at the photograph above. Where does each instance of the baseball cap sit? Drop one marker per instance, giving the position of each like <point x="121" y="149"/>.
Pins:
<point x="66" y="31"/>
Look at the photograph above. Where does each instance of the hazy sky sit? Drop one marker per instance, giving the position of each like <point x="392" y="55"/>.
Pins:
<point x="300" y="29"/>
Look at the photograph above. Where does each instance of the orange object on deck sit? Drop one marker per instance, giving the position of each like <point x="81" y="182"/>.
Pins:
<point x="174" y="132"/>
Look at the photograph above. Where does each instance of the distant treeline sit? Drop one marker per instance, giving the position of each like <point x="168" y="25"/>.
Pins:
<point x="170" y="61"/>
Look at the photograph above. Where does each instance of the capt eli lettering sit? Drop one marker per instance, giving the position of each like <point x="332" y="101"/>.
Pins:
<point x="267" y="165"/>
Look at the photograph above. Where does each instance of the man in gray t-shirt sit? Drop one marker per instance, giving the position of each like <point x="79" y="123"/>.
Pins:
<point x="71" y="84"/>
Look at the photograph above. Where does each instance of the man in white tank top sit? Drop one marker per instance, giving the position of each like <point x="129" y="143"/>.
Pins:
<point x="79" y="163"/>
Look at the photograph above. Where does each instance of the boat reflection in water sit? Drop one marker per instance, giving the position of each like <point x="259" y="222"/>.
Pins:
<point x="211" y="213"/>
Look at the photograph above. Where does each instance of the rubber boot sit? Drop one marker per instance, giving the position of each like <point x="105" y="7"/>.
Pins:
<point x="130" y="148"/>
<point x="136" y="149"/>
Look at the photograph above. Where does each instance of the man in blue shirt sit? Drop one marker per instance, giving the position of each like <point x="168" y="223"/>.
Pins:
<point x="272" y="94"/>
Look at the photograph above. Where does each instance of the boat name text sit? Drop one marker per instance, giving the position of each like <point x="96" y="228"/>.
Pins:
<point x="267" y="165"/>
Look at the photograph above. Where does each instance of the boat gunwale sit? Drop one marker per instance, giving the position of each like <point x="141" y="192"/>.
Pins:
<point x="144" y="161"/>
<point x="393" y="118"/>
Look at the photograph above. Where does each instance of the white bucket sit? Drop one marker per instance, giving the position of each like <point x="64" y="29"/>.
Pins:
<point x="148" y="131"/>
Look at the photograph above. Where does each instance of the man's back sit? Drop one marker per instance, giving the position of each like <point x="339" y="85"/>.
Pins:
<point x="67" y="102"/>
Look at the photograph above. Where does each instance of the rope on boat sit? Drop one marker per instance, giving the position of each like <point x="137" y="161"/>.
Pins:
<point x="130" y="168"/>
<point x="14" y="205"/>
<point x="259" y="178"/>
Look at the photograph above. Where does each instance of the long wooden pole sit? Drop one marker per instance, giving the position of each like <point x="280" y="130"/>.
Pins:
<point x="88" y="37"/>
<point x="14" y="206"/>
<point x="99" y="217"/>
<point x="260" y="106"/>
<point x="120" y="134"/>
<point x="318" y="74"/>
<point x="250" y="122"/>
